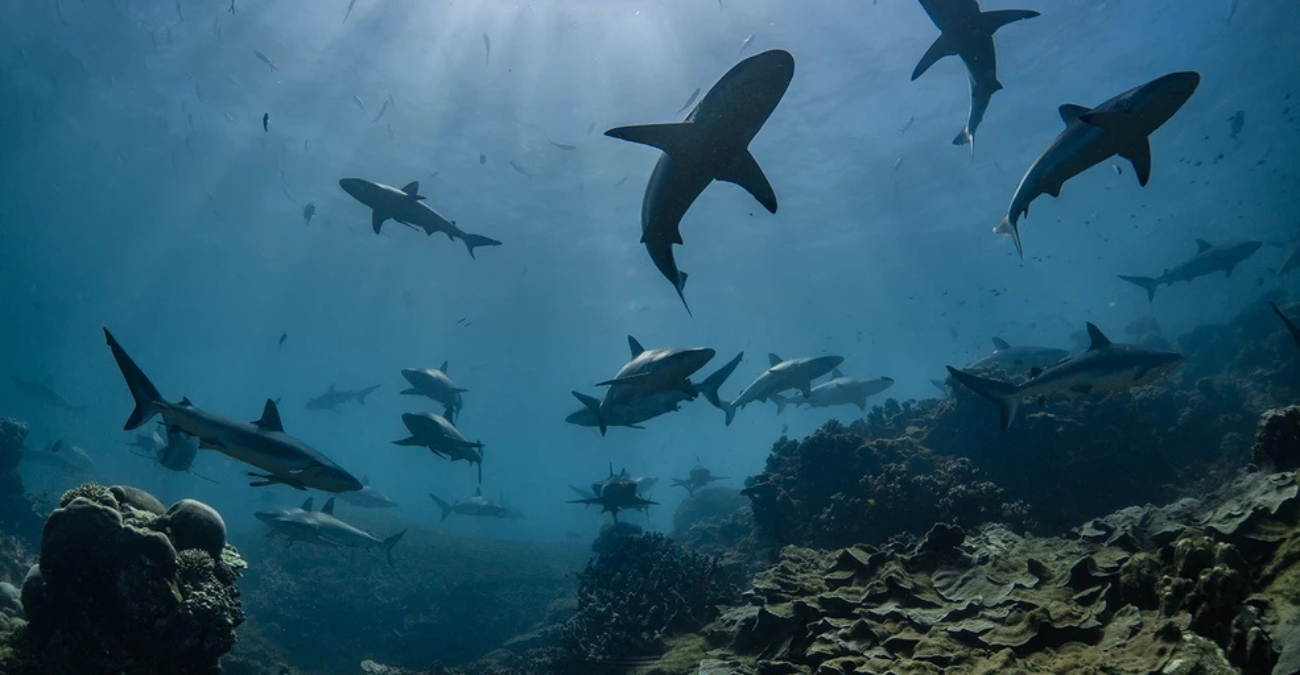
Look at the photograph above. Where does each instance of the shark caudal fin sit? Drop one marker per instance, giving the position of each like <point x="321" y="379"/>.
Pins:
<point x="1002" y="393"/>
<point x="781" y="402"/>
<point x="1145" y="282"/>
<point x="709" y="387"/>
<point x="1005" y="226"/>
<point x="389" y="543"/>
<point x="593" y="404"/>
<point x="729" y="408"/>
<point x="681" y="292"/>
<point x="361" y="395"/>
<point x="146" y="395"/>
<point x="473" y="241"/>
<point x="443" y="506"/>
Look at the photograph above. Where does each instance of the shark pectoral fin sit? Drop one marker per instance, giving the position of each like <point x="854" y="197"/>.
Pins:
<point x="408" y="441"/>
<point x="942" y="47"/>
<point x="1070" y="112"/>
<point x="377" y="220"/>
<point x="672" y="138"/>
<point x="411" y="392"/>
<point x="749" y="175"/>
<point x="1139" y="154"/>
<point x="626" y="379"/>
<point x="805" y="388"/>
<point x="1000" y="17"/>
<point x="862" y="404"/>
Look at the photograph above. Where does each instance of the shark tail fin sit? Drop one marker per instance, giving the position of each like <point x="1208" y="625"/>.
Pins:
<point x="594" y="406"/>
<point x="473" y="241"/>
<point x="709" y="387"/>
<point x="730" y="409"/>
<point x="443" y="506"/>
<point x="1145" y="282"/>
<point x="1002" y="393"/>
<point x="145" y="394"/>
<point x="964" y="138"/>
<point x="1005" y="226"/>
<point x="390" y="542"/>
<point x="681" y="292"/>
<point x="781" y="402"/>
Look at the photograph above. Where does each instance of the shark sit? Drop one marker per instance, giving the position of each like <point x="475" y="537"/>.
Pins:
<point x="699" y="477"/>
<point x="44" y="392"/>
<point x="406" y="206"/>
<point x="332" y="398"/>
<point x="437" y="385"/>
<point x="712" y="143"/>
<point x="478" y="505"/>
<point x="643" y="483"/>
<point x="323" y="528"/>
<point x="839" y="390"/>
<point x="783" y="376"/>
<point x="649" y="372"/>
<point x="1105" y="367"/>
<point x="617" y="493"/>
<point x="1010" y="360"/>
<point x="368" y="497"/>
<point x="630" y="409"/>
<point x="442" y="438"/>
<point x="1209" y="259"/>
<point x="1120" y="126"/>
<point x="262" y="443"/>
<point x="967" y="32"/>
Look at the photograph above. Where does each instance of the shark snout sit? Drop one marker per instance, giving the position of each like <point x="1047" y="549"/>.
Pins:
<point x="1168" y="93"/>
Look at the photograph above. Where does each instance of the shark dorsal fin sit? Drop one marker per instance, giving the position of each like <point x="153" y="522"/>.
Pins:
<point x="478" y="492"/>
<point x="331" y="389"/>
<point x="611" y="469"/>
<point x="365" y="480"/>
<point x="185" y="401"/>
<point x="1099" y="340"/>
<point x="328" y="509"/>
<point x="444" y="367"/>
<point x="412" y="188"/>
<point x="1202" y="246"/>
<point x="635" y="346"/>
<point x="836" y="374"/>
<point x="270" y="420"/>
<point x="1070" y="113"/>
<point x="1000" y="344"/>
<point x="306" y="506"/>
<point x="774" y="359"/>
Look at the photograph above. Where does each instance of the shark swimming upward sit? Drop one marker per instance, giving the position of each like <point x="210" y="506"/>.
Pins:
<point x="712" y="143"/>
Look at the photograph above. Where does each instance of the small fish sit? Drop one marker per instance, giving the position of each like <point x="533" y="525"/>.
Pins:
<point x="482" y="159"/>
<point x="283" y="337"/>
<point x="695" y="94"/>
<point x="263" y="58"/>
<point x="382" y="110"/>
<point x="179" y="13"/>
<point x="189" y="118"/>
<point x="434" y="175"/>
<point x="58" y="445"/>
<point x="1118" y="169"/>
<point x="562" y="146"/>
<point x="621" y="181"/>
<point x="357" y="100"/>
<point x="1237" y="121"/>
<point x="1232" y="11"/>
<point x="907" y="126"/>
<point x="266" y="122"/>
<point x="461" y="321"/>
<point x="522" y="170"/>
<point x="228" y="117"/>
<point x="351" y="3"/>
<point x="897" y="163"/>
<point x="745" y="45"/>
<point x="590" y="128"/>
<point x="308" y="211"/>
<point x="232" y="7"/>
<point x="390" y="131"/>
<point x="487" y="49"/>
<point x="198" y="93"/>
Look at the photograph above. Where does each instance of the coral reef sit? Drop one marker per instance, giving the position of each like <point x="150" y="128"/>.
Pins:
<point x="17" y="518"/>
<point x="638" y="590"/>
<point x="1194" y="587"/>
<point x="718" y="522"/>
<point x="1277" y="441"/>
<point x="114" y="593"/>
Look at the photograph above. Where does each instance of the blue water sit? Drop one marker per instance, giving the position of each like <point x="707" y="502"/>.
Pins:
<point x="186" y="237"/>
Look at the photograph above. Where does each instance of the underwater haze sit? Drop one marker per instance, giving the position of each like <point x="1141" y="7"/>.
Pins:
<point x="157" y="158"/>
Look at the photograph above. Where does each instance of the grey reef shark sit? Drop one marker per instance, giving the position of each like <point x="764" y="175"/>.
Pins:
<point x="1105" y="367"/>
<point x="1120" y="126"/>
<point x="712" y="143"/>
<point x="263" y="443"/>
<point x="1208" y="260"/>
<point x="967" y="33"/>
<point x="407" y="207"/>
